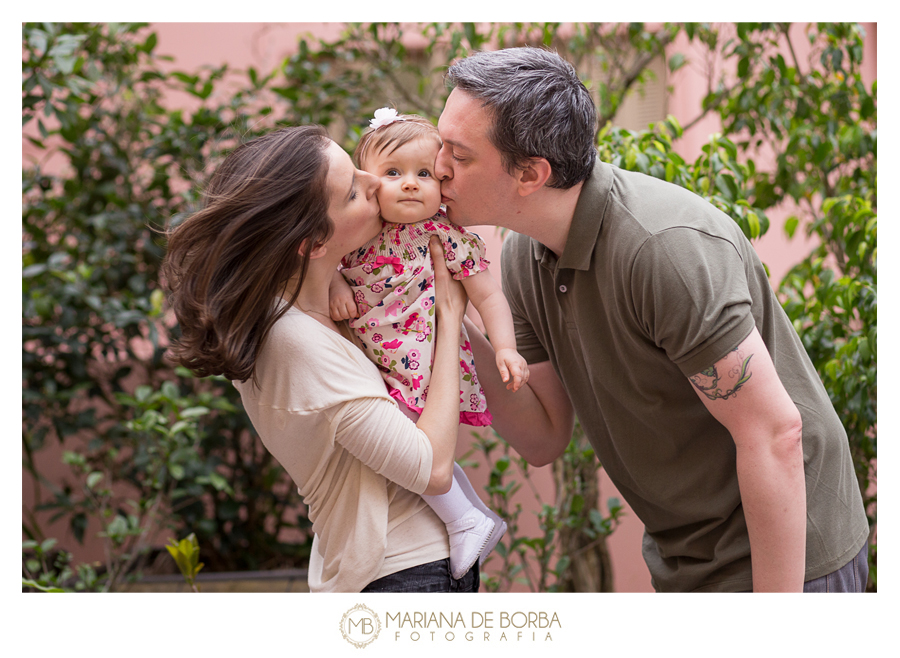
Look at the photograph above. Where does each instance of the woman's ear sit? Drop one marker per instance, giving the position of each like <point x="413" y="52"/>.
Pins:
<point x="533" y="176"/>
<point x="317" y="252"/>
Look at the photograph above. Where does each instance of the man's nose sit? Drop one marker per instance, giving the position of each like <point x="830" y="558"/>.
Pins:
<point x="442" y="170"/>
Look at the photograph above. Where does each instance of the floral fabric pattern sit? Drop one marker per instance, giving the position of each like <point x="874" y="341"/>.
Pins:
<point x="392" y="277"/>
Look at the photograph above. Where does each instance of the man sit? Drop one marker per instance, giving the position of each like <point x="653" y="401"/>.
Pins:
<point x="643" y="309"/>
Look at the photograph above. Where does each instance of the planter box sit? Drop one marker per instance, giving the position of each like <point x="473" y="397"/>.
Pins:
<point x="283" y="580"/>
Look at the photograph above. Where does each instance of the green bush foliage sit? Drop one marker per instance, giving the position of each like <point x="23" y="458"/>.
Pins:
<point x="169" y="451"/>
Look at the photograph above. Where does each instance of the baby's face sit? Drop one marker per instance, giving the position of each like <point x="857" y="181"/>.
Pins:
<point x="409" y="191"/>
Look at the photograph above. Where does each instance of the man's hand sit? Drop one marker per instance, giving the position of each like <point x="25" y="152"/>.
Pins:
<point x="341" y="303"/>
<point x="513" y="368"/>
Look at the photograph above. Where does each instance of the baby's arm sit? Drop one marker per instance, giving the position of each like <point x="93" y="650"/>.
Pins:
<point x="487" y="297"/>
<point x="340" y="299"/>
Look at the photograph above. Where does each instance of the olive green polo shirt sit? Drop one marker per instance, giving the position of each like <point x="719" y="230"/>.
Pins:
<point x="654" y="285"/>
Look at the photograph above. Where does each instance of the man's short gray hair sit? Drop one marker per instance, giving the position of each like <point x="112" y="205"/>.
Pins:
<point x="539" y="106"/>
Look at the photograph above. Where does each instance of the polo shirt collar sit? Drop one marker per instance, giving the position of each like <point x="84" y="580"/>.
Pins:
<point x="586" y="221"/>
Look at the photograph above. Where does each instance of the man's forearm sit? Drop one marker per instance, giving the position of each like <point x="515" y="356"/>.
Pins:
<point x="773" y="494"/>
<point x="536" y="420"/>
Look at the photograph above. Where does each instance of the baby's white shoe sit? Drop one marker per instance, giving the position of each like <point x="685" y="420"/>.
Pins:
<point x="499" y="524"/>
<point x="468" y="538"/>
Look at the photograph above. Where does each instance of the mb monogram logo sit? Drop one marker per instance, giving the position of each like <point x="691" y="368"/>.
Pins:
<point x="360" y="626"/>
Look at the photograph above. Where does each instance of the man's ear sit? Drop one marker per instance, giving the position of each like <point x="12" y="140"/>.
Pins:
<point x="534" y="176"/>
<point x="317" y="252"/>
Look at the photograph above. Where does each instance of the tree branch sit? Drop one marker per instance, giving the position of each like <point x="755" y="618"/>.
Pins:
<point x="785" y="28"/>
<point x="632" y="73"/>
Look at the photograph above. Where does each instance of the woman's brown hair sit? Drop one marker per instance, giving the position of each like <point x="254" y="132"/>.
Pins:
<point x="228" y="263"/>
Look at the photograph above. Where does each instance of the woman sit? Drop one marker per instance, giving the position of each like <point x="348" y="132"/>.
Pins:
<point x="249" y="276"/>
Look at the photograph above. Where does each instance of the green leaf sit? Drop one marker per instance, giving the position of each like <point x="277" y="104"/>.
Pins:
<point x="837" y="58"/>
<point x="194" y="412"/>
<point x="790" y="225"/>
<point x="150" y="43"/>
<point x="822" y="152"/>
<point x="169" y="390"/>
<point x="831" y="369"/>
<point x="631" y="156"/>
<point x="577" y="504"/>
<point x="219" y="482"/>
<point x="157" y="297"/>
<point x="51" y="590"/>
<point x="180" y="426"/>
<point x="37" y="39"/>
<point x="670" y="172"/>
<point x="726" y="185"/>
<point x="34" y="270"/>
<point x="753" y="222"/>
<point x="676" y="61"/>
<point x="864" y="352"/>
<point x="117" y="527"/>
<point x="65" y="64"/>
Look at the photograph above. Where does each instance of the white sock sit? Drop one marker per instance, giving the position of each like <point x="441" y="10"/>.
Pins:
<point x="450" y="506"/>
<point x="454" y="504"/>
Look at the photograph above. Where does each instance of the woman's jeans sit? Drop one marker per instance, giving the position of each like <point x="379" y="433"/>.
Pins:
<point x="430" y="577"/>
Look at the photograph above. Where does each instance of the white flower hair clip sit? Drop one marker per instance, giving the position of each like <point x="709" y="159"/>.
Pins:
<point x="384" y="117"/>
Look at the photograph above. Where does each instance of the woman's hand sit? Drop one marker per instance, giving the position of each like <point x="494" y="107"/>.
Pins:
<point x="450" y="297"/>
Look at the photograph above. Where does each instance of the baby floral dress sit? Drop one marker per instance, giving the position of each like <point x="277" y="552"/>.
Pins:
<point x="392" y="277"/>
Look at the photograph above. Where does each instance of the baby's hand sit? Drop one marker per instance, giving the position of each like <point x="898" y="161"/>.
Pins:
<point x="340" y="300"/>
<point x="513" y="368"/>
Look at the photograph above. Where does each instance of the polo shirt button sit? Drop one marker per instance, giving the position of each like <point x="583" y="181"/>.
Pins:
<point x="562" y="288"/>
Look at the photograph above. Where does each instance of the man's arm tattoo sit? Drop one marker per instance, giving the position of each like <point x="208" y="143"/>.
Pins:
<point x="707" y="381"/>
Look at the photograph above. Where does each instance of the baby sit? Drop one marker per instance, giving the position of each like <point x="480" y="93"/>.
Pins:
<point x="385" y="289"/>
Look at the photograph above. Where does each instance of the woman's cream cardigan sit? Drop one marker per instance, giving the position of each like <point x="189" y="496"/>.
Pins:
<point x="359" y="463"/>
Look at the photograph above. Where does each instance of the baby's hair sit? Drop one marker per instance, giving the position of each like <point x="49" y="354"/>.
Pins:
<point x="407" y="128"/>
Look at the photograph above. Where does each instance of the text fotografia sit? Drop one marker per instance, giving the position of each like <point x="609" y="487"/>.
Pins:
<point x="477" y="626"/>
